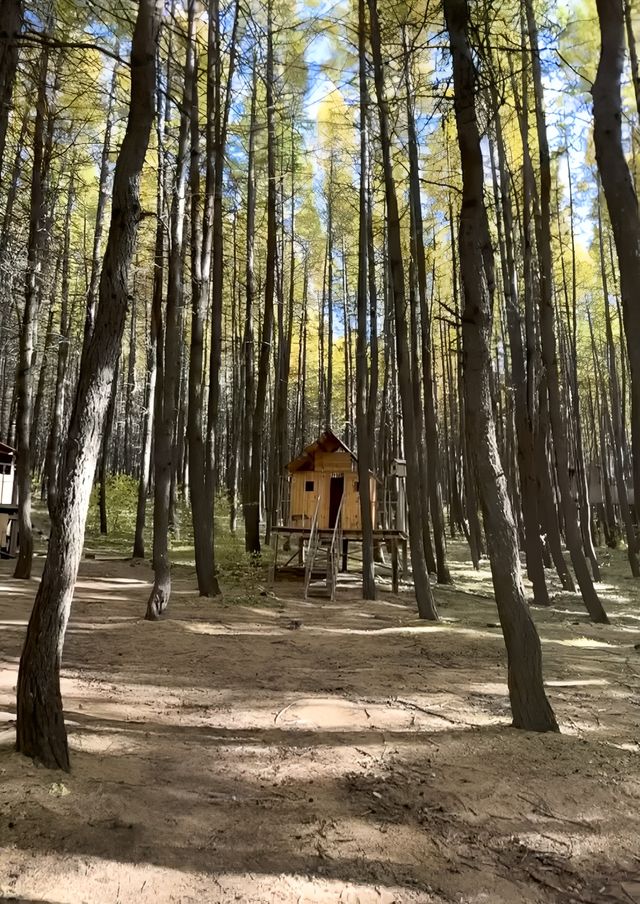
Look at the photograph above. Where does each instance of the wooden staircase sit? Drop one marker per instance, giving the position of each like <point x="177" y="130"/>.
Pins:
<point x="323" y="554"/>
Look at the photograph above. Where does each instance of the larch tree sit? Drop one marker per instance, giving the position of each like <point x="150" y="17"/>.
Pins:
<point x="41" y="730"/>
<point x="620" y="194"/>
<point x="529" y="704"/>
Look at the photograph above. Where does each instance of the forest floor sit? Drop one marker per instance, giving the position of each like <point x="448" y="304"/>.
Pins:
<point x="260" y="748"/>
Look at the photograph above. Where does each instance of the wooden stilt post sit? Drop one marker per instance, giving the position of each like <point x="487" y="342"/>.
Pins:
<point x="394" y="566"/>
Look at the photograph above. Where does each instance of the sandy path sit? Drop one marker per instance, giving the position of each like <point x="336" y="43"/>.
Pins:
<point x="221" y="755"/>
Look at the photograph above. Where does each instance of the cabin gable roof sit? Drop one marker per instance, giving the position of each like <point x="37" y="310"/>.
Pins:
<point x="326" y="442"/>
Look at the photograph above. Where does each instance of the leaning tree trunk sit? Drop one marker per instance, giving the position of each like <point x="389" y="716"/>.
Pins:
<point x="621" y="197"/>
<point x="529" y="704"/>
<point x="41" y="731"/>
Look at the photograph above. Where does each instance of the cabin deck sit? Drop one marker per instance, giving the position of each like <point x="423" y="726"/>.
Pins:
<point x="8" y="530"/>
<point x="394" y="539"/>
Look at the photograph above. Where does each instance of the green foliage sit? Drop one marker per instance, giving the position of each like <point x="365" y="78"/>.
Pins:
<point x="122" y="497"/>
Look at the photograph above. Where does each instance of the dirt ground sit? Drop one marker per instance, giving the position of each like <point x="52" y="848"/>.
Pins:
<point x="265" y="749"/>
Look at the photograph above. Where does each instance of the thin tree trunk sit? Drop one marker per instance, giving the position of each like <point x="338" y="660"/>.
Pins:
<point x="524" y="418"/>
<point x="201" y="238"/>
<point x="218" y="106"/>
<point x="167" y="353"/>
<point x="57" y="417"/>
<point x="424" y="595"/>
<point x="248" y="340"/>
<point x="431" y="427"/>
<point x="362" y="425"/>
<point x="252" y="523"/>
<point x="28" y="328"/>
<point x="103" y="194"/>
<point x="548" y="344"/>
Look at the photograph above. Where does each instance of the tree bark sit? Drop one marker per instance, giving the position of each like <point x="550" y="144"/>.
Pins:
<point x="57" y="417"/>
<point x="424" y="595"/>
<point x="248" y="340"/>
<point x="28" y="329"/>
<point x="524" y="417"/>
<point x="11" y="12"/>
<point x="362" y="426"/>
<point x="252" y="524"/>
<point x="431" y="428"/>
<point x="167" y="352"/>
<point x="548" y="344"/>
<point x="201" y="238"/>
<point x="620" y="194"/>
<point x="529" y="704"/>
<point x="41" y="731"/>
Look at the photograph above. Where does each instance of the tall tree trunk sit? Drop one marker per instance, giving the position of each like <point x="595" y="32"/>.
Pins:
<point x="424" y="595"/>
<point x="28" y="328"/>
<point x="57" y="416"/>
<point x="621" y="197"/>
<point x="218" y="106"/>
<point x="41" y="732"/>
<point x="247" y="341"/>
<point x="431" y="427"/>
<point x="362" y="426"/>
<point x="201" y="239"/>
<point x="252" y="524"/>
<point x="548" y="343"/>
<point x="167" y="352"/>
<point x="147" y="442"/>
<point x="11" y="12"/>
<point x="152" y="360"/>
<point x="105" y="453"/>
<point x="615" y="418"/>
<point x="524" y="417"/>
<point x="103" y="194"/>
<point x="328" y="401"/>
<point x="529" y="704"/>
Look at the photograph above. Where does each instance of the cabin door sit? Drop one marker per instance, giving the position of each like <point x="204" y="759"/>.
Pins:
<point x="336" y="489"/>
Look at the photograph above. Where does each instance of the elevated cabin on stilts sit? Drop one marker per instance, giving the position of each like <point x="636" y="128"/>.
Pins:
<point x="320" y="507"/>
<point x="8" y="503"/>
<point x="324" y="476"/>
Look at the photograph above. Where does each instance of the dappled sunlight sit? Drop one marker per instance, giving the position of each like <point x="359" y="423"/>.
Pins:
<point x="203" y="744"/>
<point x="582" y="642"/>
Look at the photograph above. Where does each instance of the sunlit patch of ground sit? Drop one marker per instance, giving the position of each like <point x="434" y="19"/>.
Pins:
<point x="260" y="748"/>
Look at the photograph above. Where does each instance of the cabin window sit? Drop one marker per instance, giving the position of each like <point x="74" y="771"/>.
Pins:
<point x="308" y="486"/>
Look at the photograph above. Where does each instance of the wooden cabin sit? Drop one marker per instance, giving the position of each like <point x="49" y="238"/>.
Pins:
<point x="8" y="506"/>
<point x="7" y="470"/>
<point x="326" y="470"/>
